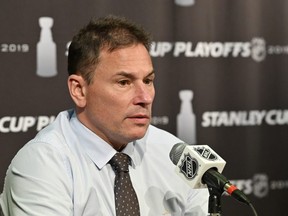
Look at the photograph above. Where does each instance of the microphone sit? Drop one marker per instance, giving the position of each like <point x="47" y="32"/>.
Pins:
<point x="200" y="166"/>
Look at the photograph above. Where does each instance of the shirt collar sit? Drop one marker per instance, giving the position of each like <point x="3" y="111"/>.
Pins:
<point x="99" y="151"/>
<point x="96" y="148"/>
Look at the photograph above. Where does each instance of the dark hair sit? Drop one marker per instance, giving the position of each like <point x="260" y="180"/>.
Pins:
<point x="109" y="32"/>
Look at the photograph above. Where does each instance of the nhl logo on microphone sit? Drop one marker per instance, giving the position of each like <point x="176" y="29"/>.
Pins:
<point x="206" y="153"/>
<point x="194" y="161"/>
<point x="189" y="166"/>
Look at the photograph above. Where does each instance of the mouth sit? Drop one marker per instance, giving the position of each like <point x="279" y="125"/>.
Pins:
<point x="140" y="118"/>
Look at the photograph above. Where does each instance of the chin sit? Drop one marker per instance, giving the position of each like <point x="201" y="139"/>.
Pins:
<point x="138" y="134"/>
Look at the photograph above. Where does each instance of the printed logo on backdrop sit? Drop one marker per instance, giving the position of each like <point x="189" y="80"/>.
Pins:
<point x="46" y="50"/>
<point x="186" y="120"/>
<point x="185" y="3"/>
<point x="257" y="49"/>
<point x="244" y="118"/>
<point x="17" y="124"/>
<point x="260" y="185"/>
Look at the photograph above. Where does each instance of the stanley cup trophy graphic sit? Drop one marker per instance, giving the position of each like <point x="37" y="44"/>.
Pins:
<point x="186" y="120"/>
<point x="185" y="2"/>
<point x="46" y="50"/>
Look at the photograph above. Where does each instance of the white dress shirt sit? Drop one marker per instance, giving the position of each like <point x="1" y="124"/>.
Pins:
<point x="64" y="171"/>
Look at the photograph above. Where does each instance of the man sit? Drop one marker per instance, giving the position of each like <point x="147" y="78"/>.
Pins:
<point x="65" y="169"/>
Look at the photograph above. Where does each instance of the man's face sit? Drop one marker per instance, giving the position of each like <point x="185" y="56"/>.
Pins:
<point x="119" y="99"/>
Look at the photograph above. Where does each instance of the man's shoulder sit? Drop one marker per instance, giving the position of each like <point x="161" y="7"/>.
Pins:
<point x="55" y="132"/>
<point x="49" y="146"/>
<point x="49" y="138"/>
<point x="156" y="134"/>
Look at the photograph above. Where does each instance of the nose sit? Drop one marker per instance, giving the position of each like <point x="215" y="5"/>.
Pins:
<point x="144" y="94"/>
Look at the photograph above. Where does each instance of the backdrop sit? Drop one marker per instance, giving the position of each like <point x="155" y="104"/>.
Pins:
<point x="221" y="70"/>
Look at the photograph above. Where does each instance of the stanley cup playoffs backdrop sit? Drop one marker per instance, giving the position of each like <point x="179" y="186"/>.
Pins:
<point x="221" y="80"/>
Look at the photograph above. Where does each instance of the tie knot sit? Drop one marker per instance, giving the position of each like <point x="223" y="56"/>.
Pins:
<point x="120" y="162"/>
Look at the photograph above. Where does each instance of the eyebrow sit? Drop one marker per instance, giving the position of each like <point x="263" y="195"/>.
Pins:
<point x="130" y="75"/>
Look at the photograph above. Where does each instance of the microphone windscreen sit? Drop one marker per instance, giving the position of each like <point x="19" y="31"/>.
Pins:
<point x="176" y="152"/>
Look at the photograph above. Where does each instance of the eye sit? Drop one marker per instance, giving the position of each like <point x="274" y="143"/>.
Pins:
<point x="124" y="82"/>
<point x="149" y="81"/>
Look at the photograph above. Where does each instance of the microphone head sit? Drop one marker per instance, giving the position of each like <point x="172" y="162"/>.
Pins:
<point x="176" y="152"/>
<point x="192" y="161"/>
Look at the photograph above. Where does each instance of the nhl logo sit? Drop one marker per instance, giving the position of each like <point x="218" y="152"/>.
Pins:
<point x="189" y="166"/>
<point x="205" y="153"/>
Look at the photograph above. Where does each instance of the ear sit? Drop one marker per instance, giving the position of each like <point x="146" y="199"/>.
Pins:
<point x="77" y="89"/>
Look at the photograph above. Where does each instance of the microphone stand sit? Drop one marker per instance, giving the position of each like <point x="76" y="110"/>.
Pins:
<point x="214" y="205"/>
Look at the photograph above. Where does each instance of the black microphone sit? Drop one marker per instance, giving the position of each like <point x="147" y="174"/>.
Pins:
<point x="200" y="166"/>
